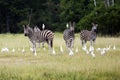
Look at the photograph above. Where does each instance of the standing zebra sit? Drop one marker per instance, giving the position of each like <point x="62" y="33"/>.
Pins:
<point x="38" y="37"/>
<point x="37" y="30"/>
<point x="86" y="35"/>
<point x="68" y="36"/>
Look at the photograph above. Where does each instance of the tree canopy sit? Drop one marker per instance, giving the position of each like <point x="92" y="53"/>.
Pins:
<point x="56" y="13"/>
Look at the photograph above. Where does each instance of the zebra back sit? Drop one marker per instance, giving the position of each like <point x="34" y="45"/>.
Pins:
<point x="47" y="34"/>
<point x="89" y="35"/>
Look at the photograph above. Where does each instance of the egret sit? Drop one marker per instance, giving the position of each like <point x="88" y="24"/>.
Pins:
<point x="61" y="49"/>
<point x="67" y="25"/>
<point x="43" y="26"/>
<point x="13" y="50"/>
<point x="53" y="51"/>
<point x="71" y="53"/>
<point x="5" y="49"/>
<point x="76" y="50"/>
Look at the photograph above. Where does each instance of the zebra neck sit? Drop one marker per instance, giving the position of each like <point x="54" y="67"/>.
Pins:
<point x="31" y="36"/>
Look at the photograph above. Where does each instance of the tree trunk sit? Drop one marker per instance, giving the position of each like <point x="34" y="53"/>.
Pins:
<point x="108" y="3"/>
<point x="95" y="3"/>
<point x="112" y="2"/>
<point x="105" y="2"/>
<point x="30" y="15"/>
<point x="7" y="24"/>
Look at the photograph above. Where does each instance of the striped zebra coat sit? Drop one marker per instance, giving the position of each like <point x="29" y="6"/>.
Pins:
<point x="86" y="35"/>
<point x="37" y="30"/>
<point x="38" y="36"/>
<point x="68" y="36"/>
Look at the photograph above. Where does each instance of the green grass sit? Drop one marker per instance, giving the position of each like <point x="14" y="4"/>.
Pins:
<point x="45" y="66"/>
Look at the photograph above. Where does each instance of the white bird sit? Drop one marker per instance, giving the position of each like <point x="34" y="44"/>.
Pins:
<point x="98" y="49"/>
<point x="31" y="49"/>
<point x="114" y="47"/>
<point x="53" y="51"/>
<point x="13" y="50"/>
<point x="71" y="53"/>
<point x="91" y="48"/>
<point x="84" y="48"/>
<point x="107" y="48"/>
<point x="23" y="50"/>
<point x="61" y="49"/>
<point x="103" y="51"/>
<point x="43" y="26"/>
<point x="92" y="53"/>
<point x="76" y="50"/>
<point x="5" y="50"/>
<point x="67" y="25"/>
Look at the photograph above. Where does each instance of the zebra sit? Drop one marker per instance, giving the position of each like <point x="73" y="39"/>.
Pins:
<point x="37" y="30"/>
<point x="86" y="35"/>
<point x="68" y="36"/>
<point x="38" y="37"/>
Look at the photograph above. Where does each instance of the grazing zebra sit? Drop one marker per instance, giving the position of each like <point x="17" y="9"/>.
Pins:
<point x="68" y="36"/>
<point x="38" y="37"/>
<point x="86" y="35"/>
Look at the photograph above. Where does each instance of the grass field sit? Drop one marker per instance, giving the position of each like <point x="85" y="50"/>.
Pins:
<point x="61" y="66"/>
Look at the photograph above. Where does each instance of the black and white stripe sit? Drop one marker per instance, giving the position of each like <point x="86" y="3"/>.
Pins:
<point x="68" y="36"/>
<point x="37" y="36"/>
<point x="86" y="35"/>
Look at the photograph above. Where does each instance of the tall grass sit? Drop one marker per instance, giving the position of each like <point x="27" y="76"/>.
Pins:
<point x="45" y="66"/>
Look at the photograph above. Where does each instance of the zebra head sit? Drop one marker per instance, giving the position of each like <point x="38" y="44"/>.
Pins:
<point x="94" y="28"/>
<point x="72" y="25"/>
<point x="27" y="30"/>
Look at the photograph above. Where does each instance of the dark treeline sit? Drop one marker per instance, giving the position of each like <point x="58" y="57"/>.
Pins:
<point x="56" y="13"/>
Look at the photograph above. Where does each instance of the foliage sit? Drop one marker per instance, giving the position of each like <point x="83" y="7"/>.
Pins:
<point x="56" y="13"/>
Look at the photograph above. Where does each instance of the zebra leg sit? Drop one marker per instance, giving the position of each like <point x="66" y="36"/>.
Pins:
<point x="42" y="44"/>
<point x="84" y="45"/>
<point x="91" y="48"/>
<point x="39" y="45"/>
<point x="72" y="43"/>
<point x="51" y="46"/>
<point x="34" y="48"/>
<point x="49" y="42"/>
<point x="67" y="45"/>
